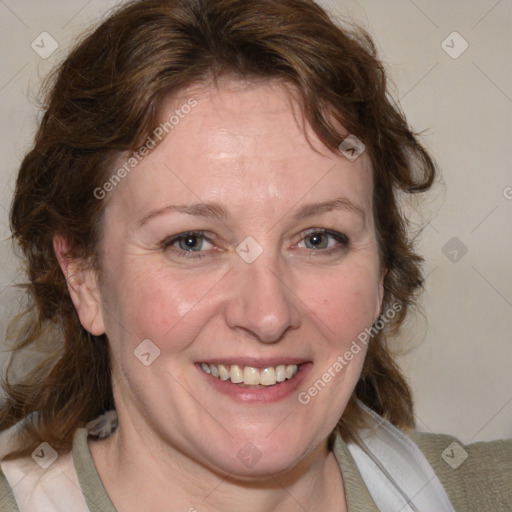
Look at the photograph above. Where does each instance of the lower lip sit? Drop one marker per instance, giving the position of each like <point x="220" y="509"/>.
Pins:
<point x="270" y="394"/>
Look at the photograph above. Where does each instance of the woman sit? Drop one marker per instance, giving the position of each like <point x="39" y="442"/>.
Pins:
<point x="210" y="222"/>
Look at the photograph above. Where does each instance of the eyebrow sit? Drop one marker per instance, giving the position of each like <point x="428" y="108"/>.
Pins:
<point x="216" y="211"/>
<point x="213" y="210"/>
<point x="342" y="203"/>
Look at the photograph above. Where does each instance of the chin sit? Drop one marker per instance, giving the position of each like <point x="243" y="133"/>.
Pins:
<point x="259" y="460"/>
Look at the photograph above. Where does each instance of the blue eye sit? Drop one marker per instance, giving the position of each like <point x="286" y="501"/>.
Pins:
<point x="326" y="240"/>
<point x="191" y="243"/>
<point x="185" y="244"/>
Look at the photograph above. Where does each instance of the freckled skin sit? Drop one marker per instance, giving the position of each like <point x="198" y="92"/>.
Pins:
<point x="240" y="147"/>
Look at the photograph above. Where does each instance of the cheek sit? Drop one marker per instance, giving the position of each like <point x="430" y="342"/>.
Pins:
<point x="152" y="302"/>
<point x="344" y="302"/>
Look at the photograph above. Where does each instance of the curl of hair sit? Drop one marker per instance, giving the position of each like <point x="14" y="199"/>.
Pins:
<point x="105" y="99"/>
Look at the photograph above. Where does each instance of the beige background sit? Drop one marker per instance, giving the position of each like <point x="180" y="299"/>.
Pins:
<point x="460" y="350"/>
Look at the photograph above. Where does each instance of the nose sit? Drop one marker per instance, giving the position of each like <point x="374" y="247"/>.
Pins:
<point x="261" y="303"/>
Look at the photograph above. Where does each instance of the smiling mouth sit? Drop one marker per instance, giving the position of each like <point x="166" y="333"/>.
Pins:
<point x="250" y="376"/>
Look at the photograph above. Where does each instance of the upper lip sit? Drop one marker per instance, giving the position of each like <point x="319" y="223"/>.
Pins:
<point x="255" y="362"/>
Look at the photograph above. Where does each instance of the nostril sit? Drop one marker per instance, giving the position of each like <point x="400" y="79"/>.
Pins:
<point x="260" y="303"/>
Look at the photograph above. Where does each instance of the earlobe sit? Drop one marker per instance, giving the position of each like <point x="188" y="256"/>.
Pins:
<point x="83" y="287"/>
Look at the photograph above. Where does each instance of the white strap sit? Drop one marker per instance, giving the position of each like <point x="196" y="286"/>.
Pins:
<point x="397" y="474"/>
<point x="54" y="489"/>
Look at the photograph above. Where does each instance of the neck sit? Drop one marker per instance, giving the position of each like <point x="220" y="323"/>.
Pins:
<point x="138" y="475"/>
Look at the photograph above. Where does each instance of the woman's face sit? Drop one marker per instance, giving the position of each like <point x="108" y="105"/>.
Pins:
<point x="235" y="247"/>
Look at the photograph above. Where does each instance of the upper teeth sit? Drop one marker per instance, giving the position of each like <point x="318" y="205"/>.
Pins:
<point x="251" y="376"/>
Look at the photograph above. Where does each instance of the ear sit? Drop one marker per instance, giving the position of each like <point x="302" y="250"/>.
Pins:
<point x="380" y="295"/>
<point x="82" y="286"/>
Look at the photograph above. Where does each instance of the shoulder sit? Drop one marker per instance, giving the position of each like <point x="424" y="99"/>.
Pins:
<point x="476" y="476"/>
<point x="7" y="444"/>
<point x="43" y="480"/>
<point x="7" y="501"/>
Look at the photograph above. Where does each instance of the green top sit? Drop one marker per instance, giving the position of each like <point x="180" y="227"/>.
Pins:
<point x="483" y="482"/>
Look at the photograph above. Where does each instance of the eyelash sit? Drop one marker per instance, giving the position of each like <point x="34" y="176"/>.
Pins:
<point x="341" y="238"/>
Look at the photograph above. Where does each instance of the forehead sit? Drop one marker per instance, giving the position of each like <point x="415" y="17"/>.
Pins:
<point x="243" y="145"/>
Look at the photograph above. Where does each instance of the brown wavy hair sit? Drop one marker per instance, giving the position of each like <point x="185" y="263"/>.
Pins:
<point x="105" y="98"/>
